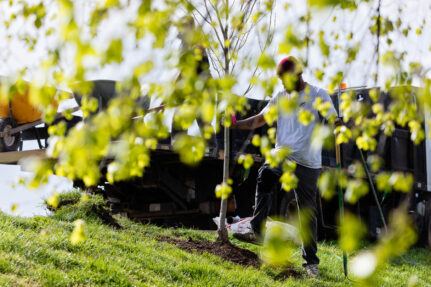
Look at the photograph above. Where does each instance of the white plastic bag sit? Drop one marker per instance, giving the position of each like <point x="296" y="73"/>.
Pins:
<point x="240" y="226"/>
<point x="287" y="231"/>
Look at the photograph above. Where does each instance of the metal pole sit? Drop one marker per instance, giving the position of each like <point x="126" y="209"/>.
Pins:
<point x="341" y="201"/>
<point x="370" y="180"/>
<point x="340" y="190"/>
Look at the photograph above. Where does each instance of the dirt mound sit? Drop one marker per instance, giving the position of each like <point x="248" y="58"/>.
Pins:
<point x="70" y="207"/>
<point x="61" y="203"/>
<point x="106" y="217"/>
<point x="226" y="251"/>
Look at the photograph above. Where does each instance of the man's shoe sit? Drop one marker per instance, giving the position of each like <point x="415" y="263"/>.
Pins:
<point x="313" y="271"/>
<point x="249" y="237"/>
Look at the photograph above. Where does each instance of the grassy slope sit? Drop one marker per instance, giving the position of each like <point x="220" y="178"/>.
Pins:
<point x="37" y="251"/>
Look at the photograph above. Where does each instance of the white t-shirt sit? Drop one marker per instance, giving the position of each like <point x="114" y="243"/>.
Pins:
<point x="296" y="136"/>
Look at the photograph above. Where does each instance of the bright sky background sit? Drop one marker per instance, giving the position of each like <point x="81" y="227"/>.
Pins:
<point x="14" y="56"/>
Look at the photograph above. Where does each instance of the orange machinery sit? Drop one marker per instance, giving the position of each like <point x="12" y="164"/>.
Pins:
<point x="22" y="110"/>
<point x="16" y="116"/>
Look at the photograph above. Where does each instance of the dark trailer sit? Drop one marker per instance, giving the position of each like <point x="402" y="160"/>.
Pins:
<point x="171" y="192"/>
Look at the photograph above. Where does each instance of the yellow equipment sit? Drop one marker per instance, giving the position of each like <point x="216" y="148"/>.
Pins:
<point x="17" y="115"/>
<point x="22" y="111"/>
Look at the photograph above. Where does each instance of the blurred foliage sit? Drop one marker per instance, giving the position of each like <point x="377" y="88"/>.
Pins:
<point x="399" y="238"/>
<point x="343" y="4"/>
<point x="221" y="30"/>
<point x="53" y="200"/>
<point x="280" y="243"/>
<point x="191" y="149"/>
<point x="282" y="238"/>
<point x="223" y="190"/>
<point x="351" y="233"/>
<point x="246" y="160"/>
<point x="78" y="234"/>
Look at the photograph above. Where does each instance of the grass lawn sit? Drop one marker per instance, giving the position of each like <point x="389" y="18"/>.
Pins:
<point x="38" y="252"/>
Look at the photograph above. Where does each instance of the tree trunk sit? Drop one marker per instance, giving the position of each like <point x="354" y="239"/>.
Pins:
<point x="222" y="231"/>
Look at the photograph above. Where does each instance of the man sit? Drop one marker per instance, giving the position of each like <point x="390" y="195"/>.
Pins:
<point x="297" y="137"/>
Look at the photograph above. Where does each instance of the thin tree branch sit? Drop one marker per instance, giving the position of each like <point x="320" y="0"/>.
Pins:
<point x="215" y="8"/>
<point x="211" y="24"/>
<point x="213" y="55"/>
<point x="376" y="77"/>
<point x="205" y="18"/>
<point x="245" y="17"/>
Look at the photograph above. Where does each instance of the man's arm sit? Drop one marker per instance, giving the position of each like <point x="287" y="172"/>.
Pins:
<point x="256" y="121"/>
<point x="250" y="123"/>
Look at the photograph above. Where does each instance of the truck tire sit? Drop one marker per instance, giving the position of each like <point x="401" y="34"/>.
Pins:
<point x="11" y="142"/>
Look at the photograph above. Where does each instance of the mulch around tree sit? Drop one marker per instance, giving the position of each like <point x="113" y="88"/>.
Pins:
<point x="226" y="251"/>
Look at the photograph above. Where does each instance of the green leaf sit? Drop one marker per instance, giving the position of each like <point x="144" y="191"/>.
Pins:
<point x="346" y="4"/>
<point x="272" y="115"/>
<point x="351" y="233"/>
<point x="191" y="149"/>
<point x="356" y="189"/>
<point x="223" y="190"/>
<point x="246" y="160"/>
<point x="324" y="48"/>
<point x="288" y="180"/>
<point x="305" y="117"/>
<point x="114" y="53"/>
<point x="266" y="62"/>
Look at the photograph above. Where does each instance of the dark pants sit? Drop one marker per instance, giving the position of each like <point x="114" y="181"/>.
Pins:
<point x="305" y="194"/>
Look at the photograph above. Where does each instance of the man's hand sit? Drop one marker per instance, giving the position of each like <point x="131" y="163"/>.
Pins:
<point x="338" y="122"/>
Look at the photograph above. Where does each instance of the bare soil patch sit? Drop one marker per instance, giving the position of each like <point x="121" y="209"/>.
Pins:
<point x="225" y="251"/>
<point x="229" y="252"/>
